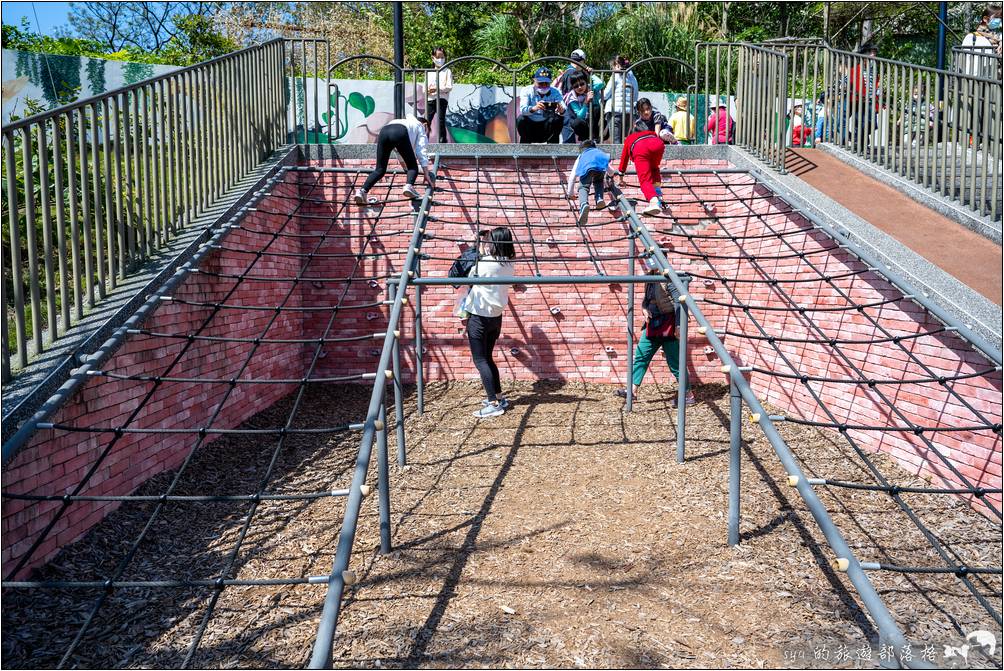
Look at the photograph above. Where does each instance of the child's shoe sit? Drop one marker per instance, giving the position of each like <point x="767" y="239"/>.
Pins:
<point x="360" y="197"/>
<point x="653" y="207"/>
<point x="583" y="214"/>
<point x="600" y="205"/>
<point x="490" y="410"/>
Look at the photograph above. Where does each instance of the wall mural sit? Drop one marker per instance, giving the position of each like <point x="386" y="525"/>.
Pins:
<point x="59" y="80"/>
<point x="337" y="111"/>
<point x="354" y="111"/>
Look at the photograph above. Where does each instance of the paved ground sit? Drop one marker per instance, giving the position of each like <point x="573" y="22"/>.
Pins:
<point x="967" y="256"/>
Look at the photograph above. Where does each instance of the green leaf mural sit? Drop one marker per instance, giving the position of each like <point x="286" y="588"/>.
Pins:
<point x="364" y="104"/>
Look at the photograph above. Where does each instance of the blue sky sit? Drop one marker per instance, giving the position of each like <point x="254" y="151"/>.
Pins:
<point x="51" y="15"/>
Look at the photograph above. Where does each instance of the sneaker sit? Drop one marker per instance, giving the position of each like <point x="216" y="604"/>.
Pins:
<point x="652" y="207"/>
<point x="622" y="393"/>
<point x="690" y="400"/>
<point x="360" y="197"/>
<point x="600" y="205"/>
<point x="411" y="191"/>
<point x="490" y="410"/>
<point x="583" y="214"/>
<point x="503" y="403"/>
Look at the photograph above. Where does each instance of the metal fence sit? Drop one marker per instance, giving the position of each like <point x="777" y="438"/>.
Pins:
<point x="111" y="179"/>
<point x="313" y="68"/>
<point x="95" y="188"/>
<point x="939" y="129"/>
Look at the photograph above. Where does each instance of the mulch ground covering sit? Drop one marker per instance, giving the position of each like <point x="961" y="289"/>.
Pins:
<point x="562" y="534"/>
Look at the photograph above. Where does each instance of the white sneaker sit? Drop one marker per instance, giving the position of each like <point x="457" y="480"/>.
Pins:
<point x="490" y="410"/>
<point x="411" y="191"/>
<point x="503" y="403"/>
<point x="360" y="197"/>
<point x="653" y="207"/>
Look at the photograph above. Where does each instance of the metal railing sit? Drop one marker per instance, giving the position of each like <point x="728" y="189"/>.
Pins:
<point x="752" y="81"/>
<point x="316" y="103"/>
<point x="941" y="130"/>
<point x="96" y="187"/>
<point x="977" y="61"/>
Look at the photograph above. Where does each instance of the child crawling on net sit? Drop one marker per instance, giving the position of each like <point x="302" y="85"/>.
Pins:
<point x="590" y="169"/>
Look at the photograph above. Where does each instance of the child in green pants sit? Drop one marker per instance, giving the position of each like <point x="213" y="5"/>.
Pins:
<point x="659" y="332"/>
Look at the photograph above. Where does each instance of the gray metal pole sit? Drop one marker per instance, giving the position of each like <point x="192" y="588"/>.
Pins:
<point x="629" y="403"/>
<point x="402" y="458"/>
<point x="383" y="482"/>
<point x="735" y="454"/>
<point x="681" y="391"/>
<point x="419" y="363"/>
<point x="398" y="61"/>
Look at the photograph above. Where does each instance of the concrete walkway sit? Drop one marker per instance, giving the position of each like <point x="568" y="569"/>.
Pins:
<point x="967" y="256"/>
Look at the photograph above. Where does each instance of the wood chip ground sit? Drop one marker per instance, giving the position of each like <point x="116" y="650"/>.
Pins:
<point x="561" y="534"/>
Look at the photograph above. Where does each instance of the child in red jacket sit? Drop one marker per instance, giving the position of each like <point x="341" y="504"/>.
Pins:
<point x="645" y="148"/>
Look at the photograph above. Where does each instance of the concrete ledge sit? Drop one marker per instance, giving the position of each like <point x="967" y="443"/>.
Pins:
<point x="33" y="385"/>
<point x="961" y="302"/>
<point x="316" y="152"/>
<point x="940" y="204"/>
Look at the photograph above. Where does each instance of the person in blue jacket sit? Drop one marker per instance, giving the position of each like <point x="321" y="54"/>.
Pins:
<point x="541" y="115"/>
<point x="589" y="169"/>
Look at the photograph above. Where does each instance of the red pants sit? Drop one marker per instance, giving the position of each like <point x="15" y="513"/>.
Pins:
<point x="647" y="155"/>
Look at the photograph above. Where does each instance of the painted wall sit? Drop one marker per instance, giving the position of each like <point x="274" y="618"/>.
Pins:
<point x="59" y="80"/>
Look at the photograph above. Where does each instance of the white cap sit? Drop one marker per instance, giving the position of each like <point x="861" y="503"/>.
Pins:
<point x="578" y="55"/>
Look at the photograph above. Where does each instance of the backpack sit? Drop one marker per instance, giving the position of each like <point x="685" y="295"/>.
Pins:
<point x="661" y="309"/>
<point x="462" y="265"/>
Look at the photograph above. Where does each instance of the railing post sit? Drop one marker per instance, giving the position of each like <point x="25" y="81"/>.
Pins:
<point x="735" y="455"/>
<point x="629" y="398"/>
<point x="419" y="358"/>
<point x="383" y="482"/>
<point x="681" y="391"/>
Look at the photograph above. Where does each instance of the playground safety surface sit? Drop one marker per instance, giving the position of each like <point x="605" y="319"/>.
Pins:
<point x="561" y="534"/>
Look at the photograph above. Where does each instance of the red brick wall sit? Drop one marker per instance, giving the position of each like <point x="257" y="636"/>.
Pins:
<point x="570" y="345"/>
<point x="56" y="461"/>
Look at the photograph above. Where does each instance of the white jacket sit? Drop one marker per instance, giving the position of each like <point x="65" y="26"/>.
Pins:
<point x="621" y="92"/>
<point x="489" y="300"/>
<point x="445" y="82"/>
<point x="416" y="133"/>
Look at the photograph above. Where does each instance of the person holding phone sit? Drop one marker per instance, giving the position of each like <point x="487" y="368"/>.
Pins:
<point x="542" y="114"/>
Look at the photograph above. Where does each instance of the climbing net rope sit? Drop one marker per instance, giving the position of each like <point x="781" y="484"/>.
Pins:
<point x="787" y="285"/>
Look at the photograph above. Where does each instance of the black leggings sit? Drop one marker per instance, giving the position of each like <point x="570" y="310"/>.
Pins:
<point x="482" y="332"/>
<point x="432" y="106"/>
<point x="393" y="136"/>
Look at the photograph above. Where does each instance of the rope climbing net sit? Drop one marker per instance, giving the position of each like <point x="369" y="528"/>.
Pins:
<point x="782" y="301"/>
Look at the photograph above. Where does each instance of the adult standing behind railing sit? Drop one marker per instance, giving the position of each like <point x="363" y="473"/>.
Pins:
<point x="864" y="98"/>
<point x="620" y="95"/>
<point x="437" y="89"/>
<point x="721" y="126"/>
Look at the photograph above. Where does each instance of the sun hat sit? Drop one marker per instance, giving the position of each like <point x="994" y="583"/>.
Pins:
<point x="681" y="103"/>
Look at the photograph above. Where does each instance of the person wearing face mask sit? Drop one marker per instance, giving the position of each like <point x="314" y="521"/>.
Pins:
<point x="438" y="85"/>
<point x="983" y="46"/>
<point x="542" y="113"/>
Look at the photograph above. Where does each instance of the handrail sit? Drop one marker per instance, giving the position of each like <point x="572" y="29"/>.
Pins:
<point x="321" y="654"/>
<point x="64" y="109"/>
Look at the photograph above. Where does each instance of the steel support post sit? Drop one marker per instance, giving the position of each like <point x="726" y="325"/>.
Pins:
<point x="735" y="454"/>
<point x="419" y="363"/>
<point x="383" y="482"/>
<point x="395" y="352"/>
<point x="681" y="391"/>
<point x="398" y="19"/>
<point x="629" y="403"/>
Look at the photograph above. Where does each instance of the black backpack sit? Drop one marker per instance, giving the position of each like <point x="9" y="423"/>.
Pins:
<point x="462" y="265"/>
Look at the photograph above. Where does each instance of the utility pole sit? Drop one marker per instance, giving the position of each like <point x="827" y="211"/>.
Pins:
<point x="398" y="60"/>
<point x="942" y="41"/>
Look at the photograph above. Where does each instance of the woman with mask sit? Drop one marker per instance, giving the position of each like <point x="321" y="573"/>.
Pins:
<point x="438" y="85"/>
